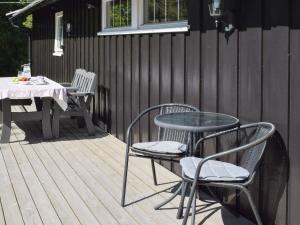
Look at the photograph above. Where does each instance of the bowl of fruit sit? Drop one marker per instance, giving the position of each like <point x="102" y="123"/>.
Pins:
<point x="22" y="80"/>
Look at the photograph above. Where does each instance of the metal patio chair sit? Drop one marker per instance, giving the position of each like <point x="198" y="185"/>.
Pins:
<point x="80" y="94"/>
<point x="170" y="146"/>
<point x="249" y="141"/>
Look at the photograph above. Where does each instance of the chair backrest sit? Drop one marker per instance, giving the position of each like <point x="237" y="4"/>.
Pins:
<point x="170" y="134"/>
<point x="84" y="81"/>
<point x="77" y="79"/>
<point x="251" y="139"/>
<point x="251" y="158"/>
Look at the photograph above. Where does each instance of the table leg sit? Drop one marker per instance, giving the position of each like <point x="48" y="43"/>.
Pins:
<point x="191" y="142"/>
<point x="170" y="198"/>
<point x="1" y="115"/>
<point x="55" y="120"/>
<point x="46" y="121"/>
<point x="6" y="120"/>
<point x="38" y="104"/>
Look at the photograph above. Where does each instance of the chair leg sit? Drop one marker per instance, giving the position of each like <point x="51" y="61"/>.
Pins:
<point x="80" y="122"/>
<point x="153" y="172"/>
<point x="194" y="209"/>
<point x="87" y="118"/>
<point x="125" y="177"/>
<point x="181" y="204"/>
<point x="189" y="204"/>
<point x="253" y="207"/>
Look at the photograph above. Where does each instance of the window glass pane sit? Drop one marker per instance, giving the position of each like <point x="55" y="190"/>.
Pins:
<point x="125" y="10"/>
<point x="109" y="14"/>
<point x="149" y="11"/>
<point x="162" y="11"/>
<point x="183" y="12"/>
<point x="118" y="13"/>
<point x="172" y="9"/>
<point x="154" y="11"/>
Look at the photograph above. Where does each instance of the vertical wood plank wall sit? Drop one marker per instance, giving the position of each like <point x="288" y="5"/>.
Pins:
<point x="253" y="74"/>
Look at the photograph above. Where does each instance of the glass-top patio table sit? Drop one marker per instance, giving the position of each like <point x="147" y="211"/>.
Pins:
<point x="194" y="123"/>
<point x="46" y="91"/>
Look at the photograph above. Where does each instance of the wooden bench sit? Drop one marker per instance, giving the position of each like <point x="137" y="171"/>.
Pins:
<point x="80" y="92"/>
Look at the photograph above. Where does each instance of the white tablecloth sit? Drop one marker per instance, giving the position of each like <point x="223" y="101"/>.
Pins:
<point x="8" y="89"/>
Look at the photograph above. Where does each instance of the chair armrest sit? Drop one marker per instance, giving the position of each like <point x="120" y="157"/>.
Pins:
<point x="215" y="135"/>
<point x="233" y="150"/>
<point x="71" y="89"/>
<point x="129" y="129"/>
<point x="65" y="84"/>
<point x="81" y="94"/>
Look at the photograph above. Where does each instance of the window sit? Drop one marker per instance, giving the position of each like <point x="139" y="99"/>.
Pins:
<point x="164" y="11"/>
<point x="59" y="34"/>
<point x="143" y="16"/>
<point x="118" y="13"/>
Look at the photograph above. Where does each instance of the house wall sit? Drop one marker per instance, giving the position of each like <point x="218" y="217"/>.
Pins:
<point x="253" y="73"/>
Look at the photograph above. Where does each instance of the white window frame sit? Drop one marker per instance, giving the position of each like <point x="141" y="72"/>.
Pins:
<point x="58" y="51"/>
<point x="134" y="16"/>
<point x="137" y="23"/>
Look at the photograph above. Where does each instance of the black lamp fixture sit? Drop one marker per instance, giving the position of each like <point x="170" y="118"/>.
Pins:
<point x="68" y="28"/>
<point x="216" y="10"/>
<point x="90" y="4"/>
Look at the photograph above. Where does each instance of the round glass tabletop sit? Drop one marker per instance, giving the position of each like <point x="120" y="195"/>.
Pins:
<point x="196" y="121"/>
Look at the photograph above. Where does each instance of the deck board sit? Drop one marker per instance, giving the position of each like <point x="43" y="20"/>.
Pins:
<point x="22" y="189"/>
<point x="77" y="180"/>
<point x="11" y="209"/>
<point x="2" y="220"/>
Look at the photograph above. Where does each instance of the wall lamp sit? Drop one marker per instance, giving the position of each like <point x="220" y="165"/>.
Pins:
<point x="216" y="10"/>
<point x="90" y="4"/>
<point x="68" y="28"/>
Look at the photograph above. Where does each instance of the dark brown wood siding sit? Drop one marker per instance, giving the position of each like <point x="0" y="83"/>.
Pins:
<point x="252" y="73"/>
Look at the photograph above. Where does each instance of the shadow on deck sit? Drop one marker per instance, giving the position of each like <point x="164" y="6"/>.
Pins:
<point x="77" y="180"/>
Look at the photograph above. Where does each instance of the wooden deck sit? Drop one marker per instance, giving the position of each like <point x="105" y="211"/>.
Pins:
<point x="77" y="180"/>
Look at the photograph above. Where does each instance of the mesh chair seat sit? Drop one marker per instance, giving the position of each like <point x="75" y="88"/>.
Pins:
<point x="160" y="147"/>
<point x="213" y="170"/>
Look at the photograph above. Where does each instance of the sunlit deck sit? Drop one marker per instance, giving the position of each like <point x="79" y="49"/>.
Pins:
<point x="77" y="180"/>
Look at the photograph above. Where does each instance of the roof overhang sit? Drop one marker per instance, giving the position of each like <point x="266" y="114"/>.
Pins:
<point x="28" y="9"/>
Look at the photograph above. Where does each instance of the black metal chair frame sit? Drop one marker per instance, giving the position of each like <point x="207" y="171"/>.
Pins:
<point x="238" y="185"/>
<point x="150" y="155"/>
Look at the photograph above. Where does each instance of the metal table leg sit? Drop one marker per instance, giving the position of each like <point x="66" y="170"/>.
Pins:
<point x="46" y="121"/>
<point x="170" y="198"/>
<point x="180" y="188"/>
<point x="6" y="120"/>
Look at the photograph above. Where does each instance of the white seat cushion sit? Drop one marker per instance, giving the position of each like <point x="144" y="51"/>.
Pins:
<point x="213" y="170"/>
<point x="163" y="147"/>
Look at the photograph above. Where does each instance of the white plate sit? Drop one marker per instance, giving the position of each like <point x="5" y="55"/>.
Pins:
<point x="24" y="82"/>
<point x="39" y="82"/>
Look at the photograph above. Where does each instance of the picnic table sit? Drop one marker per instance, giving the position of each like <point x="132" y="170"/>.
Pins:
<point x="47" y="92"/>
